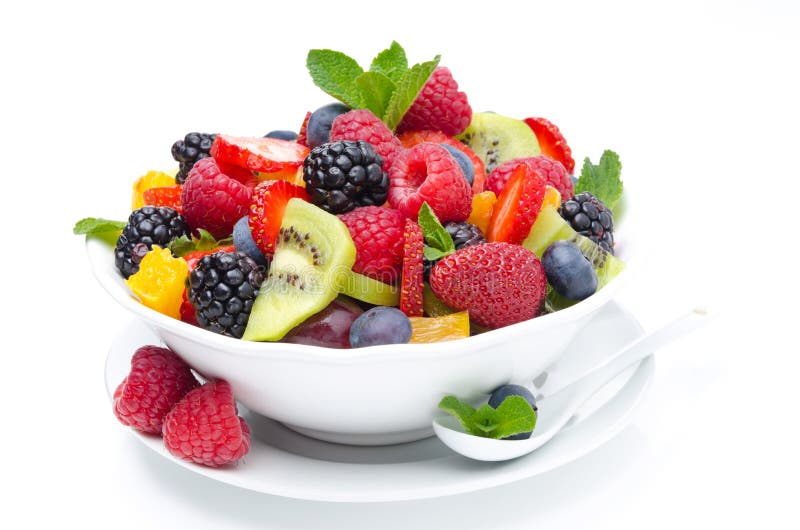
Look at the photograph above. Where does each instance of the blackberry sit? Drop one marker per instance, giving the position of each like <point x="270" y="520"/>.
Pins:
<point x="222" y="289"/>
<point x="193" y="147"/>
<point x="464" y="235"/>
<point x="590" y="217"/>
<point x="343" y="175"/>
<point x="147" y="226"/>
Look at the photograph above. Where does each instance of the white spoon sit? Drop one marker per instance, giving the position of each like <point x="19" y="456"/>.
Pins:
<point x="556" y="409"/>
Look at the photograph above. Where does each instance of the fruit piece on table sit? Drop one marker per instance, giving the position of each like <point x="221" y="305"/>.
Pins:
<point x="266" y="155"/>
<point x="481" y="213"/>
<point x="568" y="271"/>
<point x="411" y="280"/>
<point x="439" y="106"/>
<point x="550" y="170"/>
<point x="378" y="236"/>
<point x="517" y="206"/>
<point x="362" y="124"/>
<point x="369" y="290"/>
<point x="438" y="329"/>
<point x="160" y="281"/>
<point x="330" y="328"/>
<point x="147" y="226"/>
<point x="266" y="211"/>
<point x="552" y="142"/>
<point x="151" y="179"/>
<point x="380" y="325"/>
<point x="313" y="255"/>
<point x="496" y="138"/>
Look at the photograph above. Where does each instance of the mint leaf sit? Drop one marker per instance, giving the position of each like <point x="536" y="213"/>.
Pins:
<point x="184" y="245"/>
<point x="336" y="73"/>
<point x="438" y="241"/>
<point x="407" y="89"/>
<point x="461" y="411"/>
<point x="97" y="225"/>
<point x="376" y="90"/>
<point x="391" y="62"/>
<point x="513" y="416"/>
<point x="603" y="180"/>
<point x="433" y="254"/>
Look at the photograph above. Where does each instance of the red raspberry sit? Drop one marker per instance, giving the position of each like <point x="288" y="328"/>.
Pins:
<point x="362" y="124"/>
<point x="157" y="381"/>
<point x="411" y="138"/>
<point x="551" y="170"/>
<point x="204" y="427"/>
<point x="428" y="173"/>
<point x="439" y="106"/>
<point x="412" y="283"/>
<point x="212" y="200"/>
<point x="498" y="283"/>
<point x="378" y="235"/>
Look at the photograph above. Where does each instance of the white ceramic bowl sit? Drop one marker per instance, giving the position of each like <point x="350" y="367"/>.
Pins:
<point x="368" y="396"/>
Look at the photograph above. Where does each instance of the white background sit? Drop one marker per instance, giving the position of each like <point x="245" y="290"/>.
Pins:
<point x="699" y="99"/>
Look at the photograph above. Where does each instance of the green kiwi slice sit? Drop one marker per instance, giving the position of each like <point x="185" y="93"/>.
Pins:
<point x="369" y="290"/>
<point x="496" y="139"/>
<point x="313" y="256"/>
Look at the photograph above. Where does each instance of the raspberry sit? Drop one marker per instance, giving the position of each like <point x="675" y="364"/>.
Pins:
<point x="428" y="173"/>
<point x="363" y="125"/>
<point x="204" y="427"/>
<point x="213" y="200"/>
<point x="412" y="283"/>
<point x="411" y="138"/>
<point x="439" y="106"/>
<point x="157" y="381"/>
<point x="551" y="170"/>
<point x="378" y="236"/>
<point x="498" y="283"/>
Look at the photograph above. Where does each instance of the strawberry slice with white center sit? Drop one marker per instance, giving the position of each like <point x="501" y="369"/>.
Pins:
<point x="266" y="155"/>
<point x="266" y="211"/>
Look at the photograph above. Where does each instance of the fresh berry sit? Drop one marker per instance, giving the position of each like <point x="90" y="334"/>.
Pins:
<point x="204" y="427"/>
<point x="164" y="196"/>
<point x="282" y="134"/>
<point x="267" y="155"/>
<point x="428" y="173"/>
<point x="380" y="325"/>
<point x="330" y="328"/>
<point x="302" y="136"/>
<point x="193" y="258"/>
<point x="318" y="131"/>
<point x="343" y="175"/>
<point x="517" y="206"/>
<point x="157" y="381"/>
<point x="498" y="283"/>
<point x="147" y="226"/>
<point x="464" y="235"/>
<point x="222" y="289"/>
<point x="160" y="282"/>
<point x="378" y="236"/>
<point x="463" y="162"/>
<point x="151" y="179"/>
<point x="590" y="217"/>
<point x="243" y="241"/>
<point x="212" y="200"/>
<point x="551" y="171"/>
<point x="411" y="286"/>
<point x="361" y="124"/>
<point x="499" y="395"/>
<point x="568" y="271"/>
<point x="411" y="138"/>
<point x="194" y="146"/>
<point x="266" y="211"/>
<point x="552" y="142"/>
<point x="188" y="314"/>
<point x="439" y="106"/>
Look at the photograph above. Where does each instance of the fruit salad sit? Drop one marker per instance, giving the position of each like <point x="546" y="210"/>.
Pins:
<point x="395" y="214"/>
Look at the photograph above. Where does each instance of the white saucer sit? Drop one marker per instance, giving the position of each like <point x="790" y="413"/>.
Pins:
<point x="285" y="463"/>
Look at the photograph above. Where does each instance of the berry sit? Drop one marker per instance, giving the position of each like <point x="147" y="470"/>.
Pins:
<point x="266" y="211"/>
<point x="212" y="200"/>
<point x="551" y="171"/>
<point x="243" y="241"/>
<point x="267" y="155"/>
<point x="412" y="285"/>
<point x="499" y="395"/>
<point x="463" y="162"/>
<point x="411" y="138"/>
<point x="464" y="235"/>
<point x="194" y="146"/>
<point x="302" y="136"/>
<point x="343" y="175"/>
<point x="222" y="289"/>
<point x="439" y="106"/>
<point x="498" y="283"/>
<point x="163" y="196"/>
<point x="318" y="130"/>
<point x="282" y="134"/>
<point x="428" y="173"/>
<point x="378" y="236"/>
<point x="160" y="282"/>
<point x="517" y="206"/>
<point x="158" y="380"/>
<point x="147" y="226"/>
<point x="552" y="142"/>
<point x="204" y="427"/>
<point x="363" y="125"/>
<point x="590" y="217"/>
<point x="193" y="258"/>
<point x="380" y="325"/>
<point x="568" y="271"/>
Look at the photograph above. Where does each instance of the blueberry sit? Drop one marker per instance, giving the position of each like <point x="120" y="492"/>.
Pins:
<point x="501" y="393"/>
<point x="318" y="131"/>
<point x="380" y="325"/>
<point x="568" y="271"/>
<point x="463" y="160"/>
<point x="282" y="135"/>
<point x="243" y="241"/>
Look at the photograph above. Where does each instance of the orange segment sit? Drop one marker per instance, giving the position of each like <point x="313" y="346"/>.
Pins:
<point x="482" y="205"/>
<point x="293" y="175"/>
<point x="438" y="329"/>
<point x="160" y="282"/>
<point x="551" y="197"/>
<point x="151" y="179"/>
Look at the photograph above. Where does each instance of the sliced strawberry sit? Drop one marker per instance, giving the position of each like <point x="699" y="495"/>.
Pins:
<point x="411" y="282"/>
<point x="266" y="211"/>
<point x="193" y="257"/>
<point x="164" y="196"/>
<point x="258" y="154"/>
<point x="552" y="142"/>
<point x="411" y="138"/>
<point x="302" y="135"/>
<point x="517" y="206"/>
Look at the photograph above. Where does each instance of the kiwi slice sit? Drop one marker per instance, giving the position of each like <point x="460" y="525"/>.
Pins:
<point x="369" y="290"/>
<point x="432" y="306"/>
<point x="496" y="138"/>
<point x="313" y="256"/>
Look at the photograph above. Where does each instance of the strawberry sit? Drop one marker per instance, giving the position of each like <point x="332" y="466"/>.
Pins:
<point x="266" y="211"/>
<point x="164" y="196"/>
<point x="517" y="206"/>
<point x="552" y="142"/>
<point x="498" y="283"/>
<point x="411" y="283"/>
<point x="266" y="155"/>
<point x="193" y="257"/>
<point x="303" y="135"/>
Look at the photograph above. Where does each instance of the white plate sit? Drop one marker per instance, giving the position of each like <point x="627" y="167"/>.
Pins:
<point x="285" y="463"/>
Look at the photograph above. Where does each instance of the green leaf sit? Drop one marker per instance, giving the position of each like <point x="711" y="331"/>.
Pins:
<point x="461" y="411"/>
<point x="513" y="416"/>
<point x="437" y="239"/>
<point x="407" y="89"/>
<point x="603" y="180"/>
<point x="376" y="90"/>
<point x="391" y="62"/>
<point x="97" y="225"/>
<point x="336" y="73"/>
<point x="433" y="254"/>
<point x="183" y="245"/>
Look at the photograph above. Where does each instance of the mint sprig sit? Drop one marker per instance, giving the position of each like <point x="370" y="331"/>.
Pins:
<point x="183" y="245"/>
<point x="438" y="242"/>
<point x="514" y="416"/>
<point x="92" y="226"/>
<point x="602" y="180"/>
